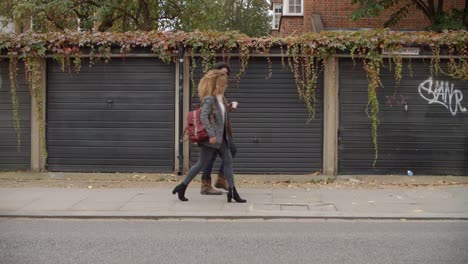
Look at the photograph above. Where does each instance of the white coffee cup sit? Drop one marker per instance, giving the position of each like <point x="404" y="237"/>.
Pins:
<point x="234" y="104"/>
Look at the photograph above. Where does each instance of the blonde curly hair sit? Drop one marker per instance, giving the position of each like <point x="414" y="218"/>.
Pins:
<point x="214" y="82"/>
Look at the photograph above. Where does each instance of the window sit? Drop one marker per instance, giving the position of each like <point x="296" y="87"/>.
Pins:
<point x="293" y="7"/>
<point x="277" y="12"/>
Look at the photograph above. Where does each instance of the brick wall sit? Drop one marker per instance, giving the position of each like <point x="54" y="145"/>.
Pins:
<point x="291" y="25"/>
<point x="335" y="15"/>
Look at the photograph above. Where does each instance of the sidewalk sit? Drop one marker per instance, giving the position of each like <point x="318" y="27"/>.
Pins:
<point x="450" y="202"/>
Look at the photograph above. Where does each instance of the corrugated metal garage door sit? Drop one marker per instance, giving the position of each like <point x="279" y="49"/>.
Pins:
<point x="270" y="126"/>
<point x="112" y="117"/>
<point x="423" y="125"/>
<point x="10" y="157"/>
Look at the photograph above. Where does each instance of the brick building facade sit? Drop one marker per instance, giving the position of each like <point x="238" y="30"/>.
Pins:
<point x="334" y="15"/>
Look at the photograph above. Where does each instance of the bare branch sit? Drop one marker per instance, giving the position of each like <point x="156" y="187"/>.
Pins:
<point x="424" y="8"/>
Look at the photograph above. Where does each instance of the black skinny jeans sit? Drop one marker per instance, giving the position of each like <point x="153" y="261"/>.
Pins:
<point x="206" y="154"/>
<point x="206" y="175"/>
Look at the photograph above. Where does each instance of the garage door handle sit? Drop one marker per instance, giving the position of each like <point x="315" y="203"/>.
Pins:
<point x="109" y="101"/>
<point x="255" y="140"/>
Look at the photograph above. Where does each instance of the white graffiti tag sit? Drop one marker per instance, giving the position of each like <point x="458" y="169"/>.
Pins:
<point x="442" y="92"/>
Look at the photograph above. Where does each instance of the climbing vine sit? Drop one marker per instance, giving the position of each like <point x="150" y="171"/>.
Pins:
<point x="14" y="97"/>
<point x="372" y="65"/>
<point x="303" y="55"/>
<point x="33" y="77"/>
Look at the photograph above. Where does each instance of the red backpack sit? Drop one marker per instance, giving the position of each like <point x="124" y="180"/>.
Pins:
<point x="195" y="128"/>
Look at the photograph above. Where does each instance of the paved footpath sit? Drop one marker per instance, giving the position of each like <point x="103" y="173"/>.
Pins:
<point x="156" y="203"/>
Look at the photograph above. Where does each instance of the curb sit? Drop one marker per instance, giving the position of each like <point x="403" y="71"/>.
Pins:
<point x="211" y="216"/>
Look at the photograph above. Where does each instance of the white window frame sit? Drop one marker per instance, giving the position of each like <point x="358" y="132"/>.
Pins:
<point x="286" y="8"/>
<point x="276" y="16"/>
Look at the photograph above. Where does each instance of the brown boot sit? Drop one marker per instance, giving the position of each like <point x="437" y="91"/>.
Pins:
<point x="207" y="189"/>
<point x="221" y="183"/>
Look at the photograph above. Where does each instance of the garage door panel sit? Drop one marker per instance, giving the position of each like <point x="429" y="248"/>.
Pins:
<point x="124" y="65"/>
<point x="22" y="93"/>
<point x="109" y="134"/>
<point x="270" y="127"/>
<point x="9" y="137"/>
<point x="13" y="152"/>
<point x="414" y="133"/>
<point x="150" y="87"/>
<point x="243" y="138"/>
<point x="113" y="107"/>
<point x="411" y="119"/>
<point x="110" y="143"/>
<point x="249" y="149"/>
<point x="120" y="167"/>
<point x="116" y="97"/>
<point x="112" y="152"/>
<point x="388" y="100"/>
<point x="20" y="79"/>
<point x="427" y="135"/>
<point x="6" y="108"/>
<point x="417" y="68"/>
<point x="101" y="79"/>
<point x="402" y="125"/>
<point x="5" y="126"/>
<point x="274" y="143"/>
<point x="273" y="126"/>
<point x="7" y="115"/>
<point x="13" y="158"/>
<point x="396" y="154"/>
<point x="115" y="117"/>
<point x="106" y="124"/>
<point x="387" y="166"/>
<point x="270" y="170"/>
<point x="400" y="116"/>
<point x="278" y="155"/>
<point x="109" y="162"/>
<point x="15" y="162"/>
<point x="421" y="146"/>
<point x="411" y="110"/>
<point x="278" y="102"/>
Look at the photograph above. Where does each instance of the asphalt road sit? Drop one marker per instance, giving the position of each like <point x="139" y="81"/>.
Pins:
<point x="123" y="241"/>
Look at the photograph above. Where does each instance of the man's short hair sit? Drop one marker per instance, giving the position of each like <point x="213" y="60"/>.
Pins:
<point x="222" y="65"/>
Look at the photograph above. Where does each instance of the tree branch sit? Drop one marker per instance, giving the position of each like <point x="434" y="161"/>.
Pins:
<point x="397" y="16"/>
<point x="425" y="9"/>
<point x="54" y="22"/>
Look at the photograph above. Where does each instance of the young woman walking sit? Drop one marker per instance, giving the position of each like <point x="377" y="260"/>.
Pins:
<point x="221" y="183"/>
<point x="215" y="117"/>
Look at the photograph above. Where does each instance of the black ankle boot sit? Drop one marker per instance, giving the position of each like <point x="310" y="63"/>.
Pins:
<point x="233" y="194"/>
<point x="180" y="190"/>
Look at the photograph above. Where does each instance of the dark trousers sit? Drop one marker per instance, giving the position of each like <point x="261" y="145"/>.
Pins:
<point x="206" y="175"/>
<point x="206" y="155"/>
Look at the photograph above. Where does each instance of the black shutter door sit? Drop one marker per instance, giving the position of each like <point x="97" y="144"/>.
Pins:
<point x="12" y="158"/>
<point x="114" y="117"/>
<point x="424" y="123"/>
<point x="270" y="125"/>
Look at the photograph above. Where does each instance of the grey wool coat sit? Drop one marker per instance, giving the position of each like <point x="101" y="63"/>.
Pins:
<point x="213" y="123"/>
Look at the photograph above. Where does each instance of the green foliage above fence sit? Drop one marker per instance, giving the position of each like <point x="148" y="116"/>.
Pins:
<point x="304" y="54"/>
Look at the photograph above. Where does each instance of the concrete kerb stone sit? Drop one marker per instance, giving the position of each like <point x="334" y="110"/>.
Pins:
<point x="207" y="215"/>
